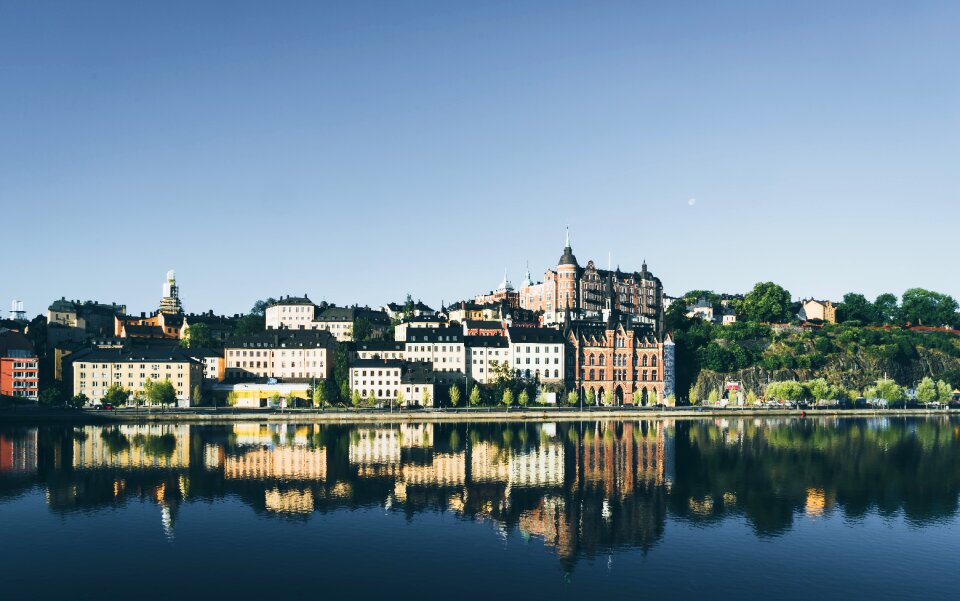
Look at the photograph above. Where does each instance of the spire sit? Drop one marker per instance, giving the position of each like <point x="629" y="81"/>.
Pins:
<point x="567" y="243"/>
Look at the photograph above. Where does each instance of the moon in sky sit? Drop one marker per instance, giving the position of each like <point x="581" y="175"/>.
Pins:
<point x="692" y="201"/>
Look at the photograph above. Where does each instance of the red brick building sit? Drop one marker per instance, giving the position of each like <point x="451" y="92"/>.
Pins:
<point x="618" y="361"/>
<point x="19" y="366"/>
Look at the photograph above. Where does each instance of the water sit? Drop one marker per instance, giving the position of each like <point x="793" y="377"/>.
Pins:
<point x="716" y="508"/>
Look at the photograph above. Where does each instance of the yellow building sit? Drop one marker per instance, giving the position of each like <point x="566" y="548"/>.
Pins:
<point x="95" y="370"/>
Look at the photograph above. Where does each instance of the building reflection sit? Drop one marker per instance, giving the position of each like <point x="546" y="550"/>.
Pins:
<point x="582" y="488"/>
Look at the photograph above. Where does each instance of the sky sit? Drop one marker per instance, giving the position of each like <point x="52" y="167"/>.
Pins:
<point x="357" y="151"/>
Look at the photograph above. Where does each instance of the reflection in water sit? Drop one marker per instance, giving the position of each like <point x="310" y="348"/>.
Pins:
<point x="584" y="489"/>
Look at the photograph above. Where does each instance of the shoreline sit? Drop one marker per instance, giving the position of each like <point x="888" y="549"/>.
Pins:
<point x="210" y="416"/>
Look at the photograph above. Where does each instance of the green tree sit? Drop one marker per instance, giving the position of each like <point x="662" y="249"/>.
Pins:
<point x="115" y="395"/>
<point x="591" y="397"/>
<point x="751" y="398"/>
<point x="426" y="397"/>
<point x="454" y="395"/>
<point x="78" y="401"/>
<point x="767" y="302"/>
<point x="927" y="308"/>
<point x="50" y="397"/>
<point x="524" y="399"/>
<point x="714" y="396"/>
<point x="856" y="307"/>
<point x="572" y="398"/>
<point x="944" y="391"/>
<point x="927" y="391"/>
<point x="319" y="394"/>
<point x="474" y="396"/>
<point x="355" y="399"/>
<point x="160" y="393"/>
<point x="232" y="398"/>
<point x="507" y="398"/>
<point x="886" y="308"/>
<point x="248" y="325"/>
<point x="260" y="307"/>
<point x="888" y="390"/>
<point x="362" y="329"/>
<point x="275" y="399"/>
<point x="819" y="389"/>
<point x="196" y="336"/>
<point x="198" y="395"/>
<point x="400" y="399"/>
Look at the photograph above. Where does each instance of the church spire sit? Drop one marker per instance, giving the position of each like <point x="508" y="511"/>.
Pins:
<point x="567" y="243"/>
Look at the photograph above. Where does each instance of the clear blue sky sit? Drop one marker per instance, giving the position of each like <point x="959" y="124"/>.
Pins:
<point x="360" y="150"/>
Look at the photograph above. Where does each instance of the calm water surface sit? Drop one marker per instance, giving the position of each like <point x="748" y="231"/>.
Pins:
<point x="714" y="509"/>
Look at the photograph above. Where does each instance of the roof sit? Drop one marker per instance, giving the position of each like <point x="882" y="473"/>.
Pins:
<point x="447" y="334"/>
<point x="282" y="339"/>
<point x="349" y="314"/>
<point x="375" y="363"/>
<point x="196" y="353"/>
<point x="132" y="355"/>
<point x="567" y="258"/>
<point x="535" y="335"/>
<point x="497" y="341"/>
<point x="11" y="340"/>
<point x="482" y="324"/>
<point x="143" y="331"/>
<point x="379" y="345"/>
<point x="291" y="300"/>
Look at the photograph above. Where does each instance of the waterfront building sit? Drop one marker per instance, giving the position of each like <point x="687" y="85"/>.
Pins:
<point x="214" y="364"/>
<point x="441" y="347"/>
<point x="19" y="366"/>
<point x="537" y="354"/>
<point x="616" y="361"/>
<point x="483" y="353"/>
<point x="382" y="380"/>
<point x="95" y="370"/>
<point x="280" y="353"/>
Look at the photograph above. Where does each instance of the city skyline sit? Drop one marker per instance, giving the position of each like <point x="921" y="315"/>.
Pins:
<point x="362" y="152"/>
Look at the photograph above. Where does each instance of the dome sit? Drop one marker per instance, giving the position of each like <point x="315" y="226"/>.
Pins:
<point x="567" y="258"/>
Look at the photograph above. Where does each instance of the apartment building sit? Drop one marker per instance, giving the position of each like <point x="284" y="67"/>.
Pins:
<point x="280" y="353"/>
<point x="95" y="370"/>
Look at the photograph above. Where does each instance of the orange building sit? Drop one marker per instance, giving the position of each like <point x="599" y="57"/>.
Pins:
<point x="19" y="366"/>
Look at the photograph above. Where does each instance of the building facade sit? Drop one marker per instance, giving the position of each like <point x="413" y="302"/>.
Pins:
<point x="19" y="366"/>
<point x="287" y="354"/>
<point x="618" y="361"/>
<point x="537" y="354"/>
<point x="95" y="370"/>
<point x="586" y="290"/>
<point x="442" y="347"/>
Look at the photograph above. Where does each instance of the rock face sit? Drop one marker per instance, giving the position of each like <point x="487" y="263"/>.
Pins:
<point x="853" y="372"/>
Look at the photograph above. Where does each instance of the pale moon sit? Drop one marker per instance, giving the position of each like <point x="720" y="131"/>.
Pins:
<point x="692" y="201"/>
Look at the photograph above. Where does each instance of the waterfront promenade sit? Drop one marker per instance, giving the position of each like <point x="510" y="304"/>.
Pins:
<point x="340" y="415"/>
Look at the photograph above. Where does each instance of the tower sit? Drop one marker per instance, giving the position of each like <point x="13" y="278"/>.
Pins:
<point x="170" y="303"/>
<point x="567" y="268"/>
<point x="17" y="312"/>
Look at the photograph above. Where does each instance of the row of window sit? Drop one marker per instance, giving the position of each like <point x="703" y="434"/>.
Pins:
<point x="618" y="374"/>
